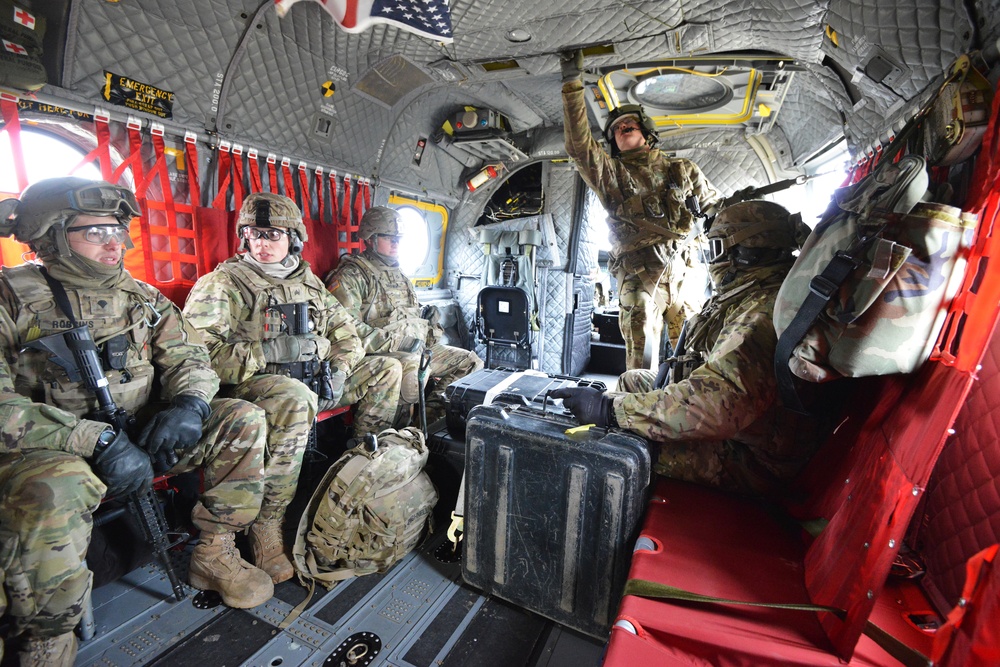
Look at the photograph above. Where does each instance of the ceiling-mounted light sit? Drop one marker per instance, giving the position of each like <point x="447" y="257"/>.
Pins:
<point x="518" y="35"/>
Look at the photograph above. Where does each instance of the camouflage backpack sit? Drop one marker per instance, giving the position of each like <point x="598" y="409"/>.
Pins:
<point x="368" y="512"/>
<point x="869" y="291"/>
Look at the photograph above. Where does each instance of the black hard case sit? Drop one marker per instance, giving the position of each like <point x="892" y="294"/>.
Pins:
<point x="550" y="518"/>
<point x="518" y="387"/>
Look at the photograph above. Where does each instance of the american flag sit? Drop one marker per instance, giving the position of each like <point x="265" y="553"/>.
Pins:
<point x="427" y="18"/>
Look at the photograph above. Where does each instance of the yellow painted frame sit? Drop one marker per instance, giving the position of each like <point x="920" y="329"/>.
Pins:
<point x="613" y="101"/>
<point x="398" y="201"/>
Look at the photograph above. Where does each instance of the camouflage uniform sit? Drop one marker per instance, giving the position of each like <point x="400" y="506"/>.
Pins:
<point x="382" y="297"/>
<point x="644" y="193"/>
<point x="230" y="307"/>
<point x="722" y="425"/>
<point x="48" y="491"/>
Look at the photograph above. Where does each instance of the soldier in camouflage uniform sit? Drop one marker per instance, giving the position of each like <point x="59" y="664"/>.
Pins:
<point x="651" y="201"/>
<point x="261" y="357"/>
<point x="56" y="464"/>
<point x="375" y="291"/>
<point x="719" y="417"/>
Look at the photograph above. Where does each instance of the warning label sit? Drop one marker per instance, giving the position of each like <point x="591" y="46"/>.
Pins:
<point x="125" y="92"/>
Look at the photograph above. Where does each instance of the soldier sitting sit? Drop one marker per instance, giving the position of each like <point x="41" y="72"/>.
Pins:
<point x="279" y="339"/>
<point x="57" y="461"/>
<point x="719" y="418"/>
<point x="373" y="289"/>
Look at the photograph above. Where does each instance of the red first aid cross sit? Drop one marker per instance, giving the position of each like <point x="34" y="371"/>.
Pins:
<point x="15" y="48"/>
<point x="24" y="18"/>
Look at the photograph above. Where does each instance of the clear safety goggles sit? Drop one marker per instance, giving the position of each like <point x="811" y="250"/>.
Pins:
<point x="104" y="200"/>
<point x="272" y="234"/>
<point x="101" y="234"/>
<point x="391" y="238"/>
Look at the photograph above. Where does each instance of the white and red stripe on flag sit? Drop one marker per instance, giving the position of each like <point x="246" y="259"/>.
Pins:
<point x="427" y="18"/>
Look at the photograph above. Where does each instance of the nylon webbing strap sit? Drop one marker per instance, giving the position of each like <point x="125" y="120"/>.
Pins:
<point x="905" y="654"/>
<point x="345" y="211"/>
<point x="191" y="153"/>
<point x="320" y="204"/>
<point x="224" y="177"/>
<point x="256" y="185"/>
<point x="12" y="124"/>
<point x="821" y="290"/>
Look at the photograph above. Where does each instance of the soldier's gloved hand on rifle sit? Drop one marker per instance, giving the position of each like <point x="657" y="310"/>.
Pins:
<point x="288" y="348"/>
<point x="588" y="405"/>
<point x="411" y="345"/>
<point x="122" y="466"/>
<point x="176" y="428"/>
<point x="571" y="64"/>
<point x="335" y="386"/>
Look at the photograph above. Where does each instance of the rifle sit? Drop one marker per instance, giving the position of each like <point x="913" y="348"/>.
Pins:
<point x="75" y="351"/>
<point x="314" y="374"/>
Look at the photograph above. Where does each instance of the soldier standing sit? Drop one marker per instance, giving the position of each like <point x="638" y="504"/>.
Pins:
<point x="374" y="290"/>
<point x="272" y="328"/>
<point x="652" y="202"/>
<point x="719" y="417"/>
<point x="56" y="464"/>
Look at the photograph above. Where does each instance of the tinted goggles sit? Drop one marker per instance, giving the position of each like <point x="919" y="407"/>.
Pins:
<point x="272" y="234"/>
<point x="101" y="234"/>
<point x="104" y="200"/>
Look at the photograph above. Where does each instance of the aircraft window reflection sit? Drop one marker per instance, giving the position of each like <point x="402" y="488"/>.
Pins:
<point x="414" y="244"/>
<point x="45" y="156"/>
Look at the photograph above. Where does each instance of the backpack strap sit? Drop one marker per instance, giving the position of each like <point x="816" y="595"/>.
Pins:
<point x="886" y="195"/>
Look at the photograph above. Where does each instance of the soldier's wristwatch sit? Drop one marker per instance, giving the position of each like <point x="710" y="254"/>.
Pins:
<point x="103" y="440"/>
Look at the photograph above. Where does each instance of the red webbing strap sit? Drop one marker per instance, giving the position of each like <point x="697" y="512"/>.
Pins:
<point x="172" y="231"/>
<point x="304" y="188"/>
<point x="968" y="327"/>
<point x="969" y="638"/>
<point x="134" y="159"/>
<point x="320" y="208"/>
<point x="359" y="202"/>
<point x="225" y="176"/>
<point x="368" y="194"/>
<point x="101" y="151"/>
<point x="272" y="173"/>
<point x="237" y="176"/>
<point x="286" y="172"/>
<point x="191" y="155"/>
<point x="12" y="124"/>
<point x="334" y="204"/>
<point x="255" y="183"/>
<point x="345" y="212"/>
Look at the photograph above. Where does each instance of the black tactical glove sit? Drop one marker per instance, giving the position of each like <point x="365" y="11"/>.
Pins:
<point x="177" y="427"/>
<point x="588" y="405"/>
<point x="571" y="64"/>
<point x="122" y="466"/>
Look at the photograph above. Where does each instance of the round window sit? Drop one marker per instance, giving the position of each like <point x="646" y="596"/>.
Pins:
<point x="682" y="91"/>
<point x="45" y="156"/>
<point x="414" y="244"/>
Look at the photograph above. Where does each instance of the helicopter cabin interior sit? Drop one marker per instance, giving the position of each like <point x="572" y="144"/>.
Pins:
<point x="884" y="550"/>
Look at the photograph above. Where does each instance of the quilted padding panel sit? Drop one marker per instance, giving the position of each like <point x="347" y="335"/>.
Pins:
<point x="963" y="497"/>
<point x="724" y="156"/>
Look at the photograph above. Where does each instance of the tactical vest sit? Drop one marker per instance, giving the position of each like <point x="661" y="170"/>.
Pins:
<point x="260" y="292"/>
<point x="649" y="207"/>
<point x="391" y="304"/>
<point x="117" y="317"/>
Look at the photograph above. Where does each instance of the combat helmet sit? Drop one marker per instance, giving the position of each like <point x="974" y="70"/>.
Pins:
<point x="646" y="125"/>
<point x="53" y="203"/>
<point x="266" y="209"/>
<point x="379" y="220"/>
<point x="743" y="231"/>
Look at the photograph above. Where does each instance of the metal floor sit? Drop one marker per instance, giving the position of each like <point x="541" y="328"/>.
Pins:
<point x="417" y="614"/>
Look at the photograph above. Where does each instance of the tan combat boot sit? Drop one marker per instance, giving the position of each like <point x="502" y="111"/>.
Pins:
<point x="59" y="651"/>
<point x="216" y="566"/>
<point x="269" y="552"/>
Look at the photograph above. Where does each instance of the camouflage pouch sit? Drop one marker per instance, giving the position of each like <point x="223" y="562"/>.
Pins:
<point x="368" y="512"/>
<point x="902" y="263"/>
